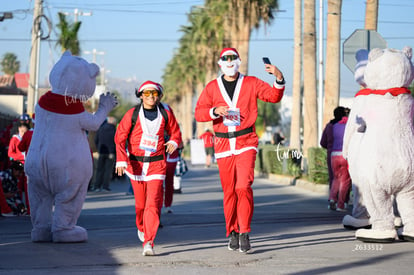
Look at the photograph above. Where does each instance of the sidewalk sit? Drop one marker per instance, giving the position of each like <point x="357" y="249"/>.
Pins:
<point x="293" y="232"/>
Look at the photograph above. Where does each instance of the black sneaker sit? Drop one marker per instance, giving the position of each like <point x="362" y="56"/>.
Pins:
<point x="244" y="242"/>
<point x="234" y="241"/>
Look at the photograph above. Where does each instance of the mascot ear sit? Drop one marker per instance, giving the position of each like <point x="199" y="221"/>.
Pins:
<point x="408" y="51"/>
<point x="93" y="70"/>
<point x="374" y="54"/>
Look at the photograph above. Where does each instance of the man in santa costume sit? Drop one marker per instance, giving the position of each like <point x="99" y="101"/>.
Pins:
<point x="230" y="101"/>
<point x="142" y="135"/>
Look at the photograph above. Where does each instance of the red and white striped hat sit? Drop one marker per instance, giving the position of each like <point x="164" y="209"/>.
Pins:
<point x="228" y="51"/>
<point x="148" y="85"/>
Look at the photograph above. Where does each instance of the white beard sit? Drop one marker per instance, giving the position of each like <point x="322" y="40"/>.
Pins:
<point x="224" y="66"/>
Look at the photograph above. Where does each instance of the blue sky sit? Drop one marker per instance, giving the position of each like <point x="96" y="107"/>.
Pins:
<point x="139" y="37"/>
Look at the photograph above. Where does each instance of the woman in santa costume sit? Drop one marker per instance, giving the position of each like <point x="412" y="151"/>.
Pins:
<point x="230" y="101"/>
<point x="141" y="154"/>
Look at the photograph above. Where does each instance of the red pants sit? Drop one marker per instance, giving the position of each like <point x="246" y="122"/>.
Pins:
<point x="237" y="175"/>
<point x="341" y="183"/>
<point x="148" y="202"/>
<point x="169" y="183"/>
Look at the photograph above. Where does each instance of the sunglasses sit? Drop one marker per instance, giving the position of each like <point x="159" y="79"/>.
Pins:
<point x="231" y="57"/>
<point x="147" y="93"/>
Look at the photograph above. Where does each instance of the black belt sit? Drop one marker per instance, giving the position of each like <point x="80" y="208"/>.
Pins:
<point x="234" y="134"/>
<point x="146" y="158"/>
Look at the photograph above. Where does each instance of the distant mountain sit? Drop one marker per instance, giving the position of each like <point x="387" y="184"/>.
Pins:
<point x="126" y="87"/>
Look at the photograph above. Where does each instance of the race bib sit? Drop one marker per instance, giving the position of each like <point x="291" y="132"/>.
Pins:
<point x="149" y="142"/>
<point x="232" y="118"/>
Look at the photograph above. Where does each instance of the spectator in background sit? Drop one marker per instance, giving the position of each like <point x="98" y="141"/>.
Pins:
<point x="14" y="152"/>
<point x="10" y="200"/>
<point x="278" y="138"/>
<point x="105" y="144"/>
<point x="208" y="139"/>
<point x="341" y="183"/>
<point x="327" y="139"/>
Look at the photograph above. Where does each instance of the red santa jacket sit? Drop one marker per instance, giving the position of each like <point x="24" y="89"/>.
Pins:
<point x="25" y="142"/>
<point x="135" y="158"/>
<point x="242" y="137"/>
<point x="14" y="152"/>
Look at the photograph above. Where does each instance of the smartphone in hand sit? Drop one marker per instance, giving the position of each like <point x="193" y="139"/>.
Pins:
<point x="266" y="60"/>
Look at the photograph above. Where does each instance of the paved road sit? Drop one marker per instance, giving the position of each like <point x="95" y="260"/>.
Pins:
<point x="293" y="232"/>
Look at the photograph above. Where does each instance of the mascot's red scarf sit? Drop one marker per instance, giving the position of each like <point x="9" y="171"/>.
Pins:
<point x="392" y="91"/>
<point x="61" y="104"/>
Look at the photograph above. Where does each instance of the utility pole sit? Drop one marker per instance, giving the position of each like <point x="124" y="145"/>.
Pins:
<point x="33" y="88"/>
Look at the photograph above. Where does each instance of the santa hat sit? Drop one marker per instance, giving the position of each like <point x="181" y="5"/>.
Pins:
<point x="148" y="85"/>
<point x="229" y="51"/>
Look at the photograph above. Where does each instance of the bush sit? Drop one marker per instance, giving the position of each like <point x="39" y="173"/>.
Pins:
<point x="278" y="160"/>
<point x="318" y="168"/>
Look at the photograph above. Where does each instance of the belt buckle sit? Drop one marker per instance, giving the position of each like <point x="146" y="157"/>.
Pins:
<point x="146" y="159"/>
<point x="232" y="134"/>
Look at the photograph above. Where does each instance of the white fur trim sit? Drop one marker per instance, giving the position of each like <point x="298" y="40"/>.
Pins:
<point x="212" y="115"/>
<point x="229" y="52"/>
<point x="233" y="152"/>
<point x="145" y="178"/>
<point x="149" y="86"/>
<point x="278" y="86"/>
<point x="121" y="164"/>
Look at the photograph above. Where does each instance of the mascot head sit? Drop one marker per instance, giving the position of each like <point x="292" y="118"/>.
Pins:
<point x="73" y="76"/>
<point x="389" y="68"/>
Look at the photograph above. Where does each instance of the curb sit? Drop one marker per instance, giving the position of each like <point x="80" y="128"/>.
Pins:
<point x="301" y="183"/>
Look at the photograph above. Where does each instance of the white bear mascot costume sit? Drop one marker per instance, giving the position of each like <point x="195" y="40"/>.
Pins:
<point x="379" y="144"/>
<point x="59" y="162"/>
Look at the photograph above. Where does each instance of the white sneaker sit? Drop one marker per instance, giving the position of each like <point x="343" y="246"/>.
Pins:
<point x="148" y="250"/>
<point x="141" y="236"/>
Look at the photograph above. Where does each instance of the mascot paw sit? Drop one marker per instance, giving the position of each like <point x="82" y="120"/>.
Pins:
<point x="405" y="235"/>
<point x="41" y="235"/>
<point x="376" y="236"/>
<point x="352" y="223"/>
<point x="108" y="100"/>
<point x="75" y="235"/>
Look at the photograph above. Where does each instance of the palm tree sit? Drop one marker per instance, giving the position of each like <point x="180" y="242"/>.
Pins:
<point x="371" y="15"/>
<point x="246" y="15"/>
<point x="310" y="117"/>
<point x="333" y="59"/>
<point x="297" y="79"/>
<point x="9" y="64"/>
<point x="68" y="38"/>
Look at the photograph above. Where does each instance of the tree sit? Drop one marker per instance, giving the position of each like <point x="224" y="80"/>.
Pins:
<point x="9" y="64"/>
<point x="333" y="59"/>
<point x="310" y="117"/>
<point x="297" y="79"/>
<point x="246" y="15"/>
<point x="68" y="38"/>
<point x="371" y="15"/>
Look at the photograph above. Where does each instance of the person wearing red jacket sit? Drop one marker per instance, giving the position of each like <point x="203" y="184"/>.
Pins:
<point x="208" y="140"/>
<point x="230" y="101"/>
<point x="14" y="152"/>
<point x="143" y="160"/>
